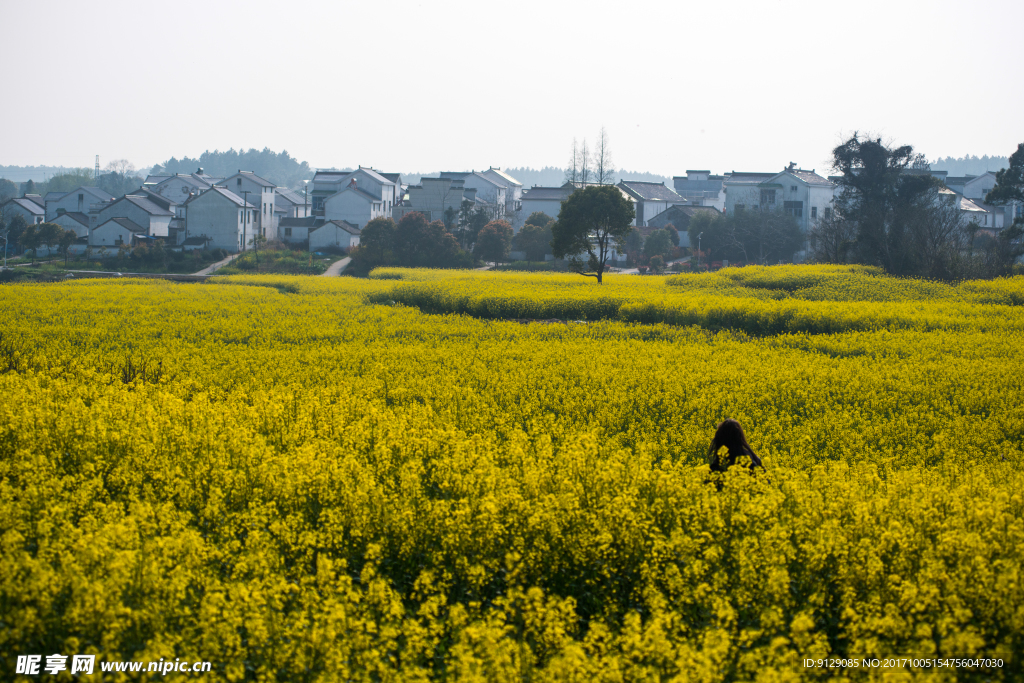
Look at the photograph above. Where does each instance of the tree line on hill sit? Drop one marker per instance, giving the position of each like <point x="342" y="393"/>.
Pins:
<point x="118" y="178"/>
<point x="279" y="168"/>
<point x="969" y="165"/>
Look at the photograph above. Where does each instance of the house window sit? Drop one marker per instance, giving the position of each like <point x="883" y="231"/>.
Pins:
<point x="792" y="188"/>
<point x="795" y="209"/>
<point x="287" y="232"/>
<point x="814" y="212"/>
<point x="767" y="196"/>
<point x="828" y="212"/>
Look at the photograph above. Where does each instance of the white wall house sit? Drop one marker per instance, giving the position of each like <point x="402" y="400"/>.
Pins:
<point x="181" y="186"/>
<point x="701" y="188"/>
<point x="353" y="205"/>
<point x="73" y="220"/>
<point x="79" y="200"/>
<point x="222" y="216"/>
<point x="154" y="219"/>
<point x="115" y="232"/>
<point x="296" y="230"/>
<point x="548" y="200"/>
<point x="513" y="195"/>
<point x="290" y="204"/>
<point x="433" y="196"/>
<point x="384" y="188"/>
<point x="651" y="198"/>
<point x="803" y="194"/>
<point x="260" y="193"/>
<point x="491" y="192"/>
<point x="31" y="211"/>
<point x="334" y="234"/>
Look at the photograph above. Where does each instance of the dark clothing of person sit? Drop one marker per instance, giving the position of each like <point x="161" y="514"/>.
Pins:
<point x="716" y="464"/>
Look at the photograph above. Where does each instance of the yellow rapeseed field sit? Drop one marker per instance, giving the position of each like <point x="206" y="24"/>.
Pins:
<point x="305" y="479"/>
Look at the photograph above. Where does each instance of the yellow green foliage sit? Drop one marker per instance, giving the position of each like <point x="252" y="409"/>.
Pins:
<point x="304" y="479"/>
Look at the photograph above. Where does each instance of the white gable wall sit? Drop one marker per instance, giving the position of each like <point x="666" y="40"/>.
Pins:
<point x="353" y="207"/>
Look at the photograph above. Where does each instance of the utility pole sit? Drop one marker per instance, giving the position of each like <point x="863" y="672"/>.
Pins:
<point x="245" y="217"/>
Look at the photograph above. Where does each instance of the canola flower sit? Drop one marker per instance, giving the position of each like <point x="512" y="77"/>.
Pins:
<point x="286" y="478"/>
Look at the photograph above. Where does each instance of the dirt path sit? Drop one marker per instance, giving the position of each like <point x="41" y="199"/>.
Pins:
<point x="209" y="270"/>
<point x="335" y="268"/>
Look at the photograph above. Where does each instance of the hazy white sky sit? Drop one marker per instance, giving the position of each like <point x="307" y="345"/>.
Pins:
<point x="429" y="85"/>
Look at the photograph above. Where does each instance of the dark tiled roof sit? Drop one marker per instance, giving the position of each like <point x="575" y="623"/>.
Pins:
<point x="144" y="203"/>
<point x="649" y="191"/>
<point x="304" y="222"/>
<point x="78" y="216"/>
<point x="810" y="177"/>
<point x="735" y="178"/>
<point x="344" y="225"/>
<point x="224" y="192"/>
<point x="506" y="176"/>
<point x="252" y="177"/>
<point x="290" y="196"/>
<point x="28" y="205"/>
<point x="125" y="223"/>
<point x="393" y="177"/>
<point x="35" y="198"/>
<point x="546" y="193"/>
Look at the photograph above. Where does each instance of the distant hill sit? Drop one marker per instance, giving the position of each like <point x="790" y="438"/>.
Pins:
<point x="38" y="174"/>
<point x="971" y="165"/>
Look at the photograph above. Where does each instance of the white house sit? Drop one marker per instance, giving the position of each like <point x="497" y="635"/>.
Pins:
<point x="434" y="196"/>
<point x="296" y="230"/>
<point x="354" y="205"/>
<point x="181" y="186"/>
<point x="222" y="216"/>
<point x="701" y="188"/>
<point x="491" y="191"/>
<point x="803" y="194"/>
<point x="79" y="200"/>
<point x="333" y="234"/>
<point x="548" y="200"/>
<point x="75" y="221"/>
<point x="260" y="193"/>
<point x="28" y="209"/>
<point x="651" y="198"/>
<point x="513" y="194"/>
<point x="290" y="204"/>
<point x="384" y="188"/>
<point x="115" y="232"/>
<point x="155" y="219"/>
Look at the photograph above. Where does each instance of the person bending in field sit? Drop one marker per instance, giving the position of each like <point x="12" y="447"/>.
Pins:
<point x="730" y="435"/>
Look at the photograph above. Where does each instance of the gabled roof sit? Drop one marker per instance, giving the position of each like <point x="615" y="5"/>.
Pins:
<point x="125" y="223"/>
<point x="51" y="196"/>
<point x="35" y="198"/>
<point x="101" y="195"/>
<point x="809" y="177"/>
<point x="141" y="201"/>
<point x="373" y="174"/>
<point x="546" y="193"/>
<point x="344" y="225"/>
<point x="251" y="177"/>
<point x="156" y="179"/>
<point x="393" y="177"/>
<point x="649" y="191"/>
<point x="189" y="179"/>
<point x="506" y="176"/>
<point x="76" y="215"/>
<point x="304" y="222"/>
<point x="330" y="176"/>
<point x="463" y="175"/>
<point x="744" y="178"/>
<point x="290" y="196"/>
<point x="968" y="205"/>
<point x="359" y="191"/>
<point x="157" y="198"/>
<point x="227" y="194"/>
<point x="27" y="204"/>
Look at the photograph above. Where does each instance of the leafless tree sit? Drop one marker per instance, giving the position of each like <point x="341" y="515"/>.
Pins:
<point x="832" y="237"/>
<point x="579" y="172"/>
<point x="122" y="167"/>
<point x="603" y="160"/>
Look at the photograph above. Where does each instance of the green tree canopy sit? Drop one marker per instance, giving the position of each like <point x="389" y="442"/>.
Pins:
<point x="277" y="167"/>
<point x="535" y="240"/>
<point x="539" y="218"/>
<point x="1009" y="181"/>
<point x="659" y="243"/>
<point x="591" y="223"/>
<point x="494" y="241"/>
<point x="377" y="239"/>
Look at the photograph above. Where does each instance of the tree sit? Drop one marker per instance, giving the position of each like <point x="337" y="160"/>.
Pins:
<point x="70" y="180"/>
<point x="539" y="218"/>
<point x="762" y="236"/>
<point x="832" y="238"/>
<point x="604" y="172"/>
<point x="1009" y="181"/>
<point x="592" y="221"/>
<point x="30" y="239"/>
<point x="673" y="234"/>
<point x="66" y="241"/>
<point x="49" y="235"/>
<point x="534" y="239"/>
<point x="658" y="243"/>
<point x="657" y="264"/>
<point x="634" y="244"/>
<point x="578" y="172"/>
<point x="377" y="239"/>
<point x="450" y="216"/>
<point x="8" y="189"/>
<point x="16" y="228"/>
<point x="494" y="241"/>
<point x="882" y="199"/>
<point x="419" y="243"/>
